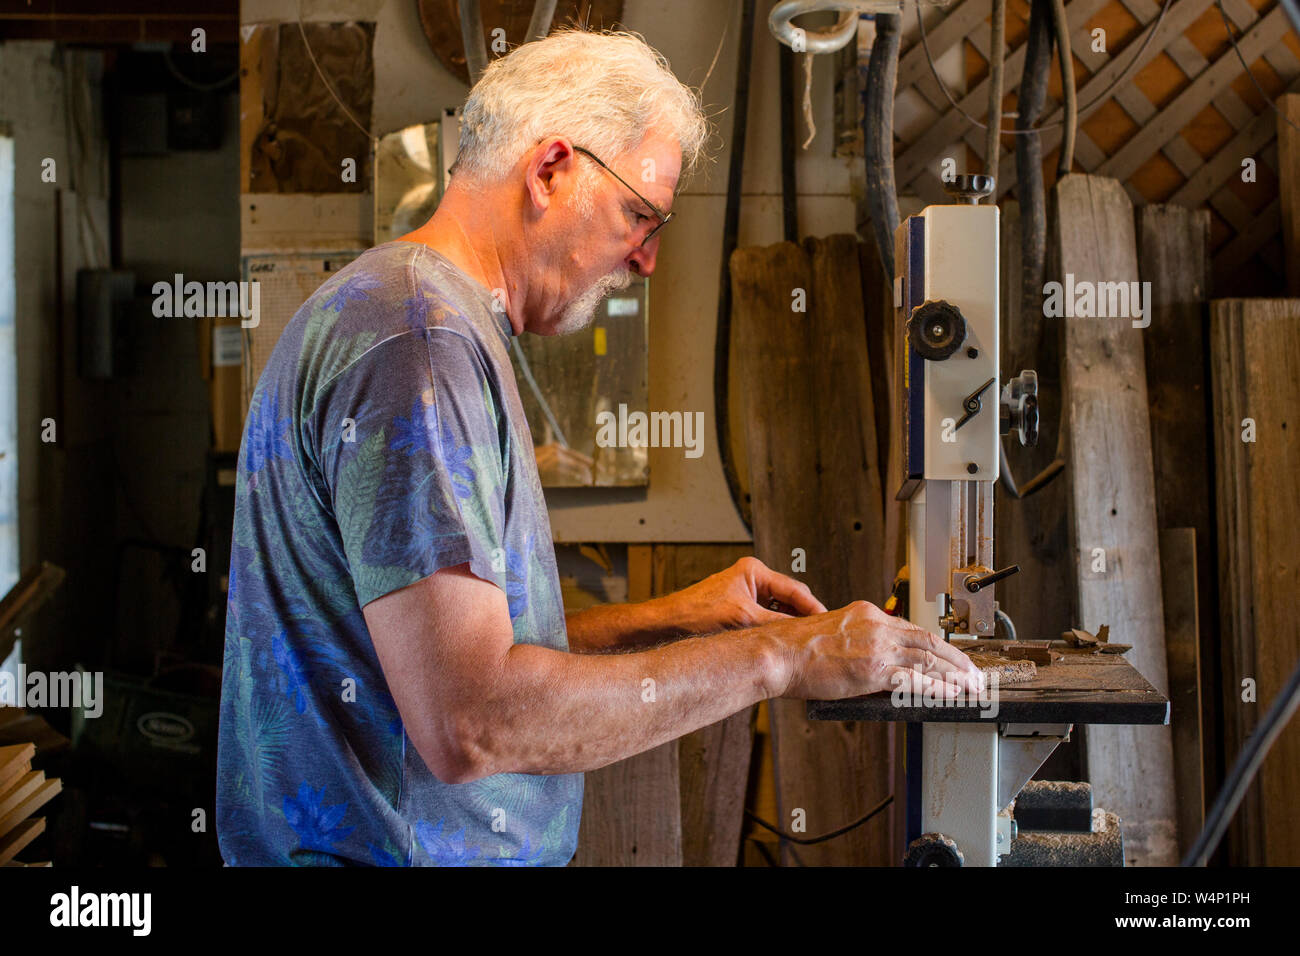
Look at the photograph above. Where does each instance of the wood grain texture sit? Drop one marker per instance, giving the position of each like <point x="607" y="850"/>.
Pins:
<point x="1178" y="566"/>
<point x="815" y="482"/>
<point x="1288" y="173"/>
<point x="713" y="762"/>
<point x="1173" y="255"/>
<point x="1112" y="498"/>
<point x="631" y="810"/>
<point x="1256" y="375"/>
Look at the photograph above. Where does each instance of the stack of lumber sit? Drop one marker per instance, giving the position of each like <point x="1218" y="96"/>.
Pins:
<point x="23" y="791"/>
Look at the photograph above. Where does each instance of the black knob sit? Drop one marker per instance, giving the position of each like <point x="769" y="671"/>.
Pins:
<point x="936" y="329"/>
<point x="933" y="849"/>
<point x="970" y="187"/>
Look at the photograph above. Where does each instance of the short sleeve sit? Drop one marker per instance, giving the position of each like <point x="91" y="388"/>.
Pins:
<point x="411" y="450"/>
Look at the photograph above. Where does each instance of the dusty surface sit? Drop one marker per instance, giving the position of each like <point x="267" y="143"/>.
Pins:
<point x="1007" y="670"/>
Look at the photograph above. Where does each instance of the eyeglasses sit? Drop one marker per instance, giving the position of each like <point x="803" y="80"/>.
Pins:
<point x="664" y="218"/>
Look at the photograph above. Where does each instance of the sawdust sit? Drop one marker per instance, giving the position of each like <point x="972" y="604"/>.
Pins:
<point x="1008" y="671"/>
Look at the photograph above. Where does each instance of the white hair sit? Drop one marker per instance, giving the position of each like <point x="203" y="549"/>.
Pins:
<point x="603" y="90"/>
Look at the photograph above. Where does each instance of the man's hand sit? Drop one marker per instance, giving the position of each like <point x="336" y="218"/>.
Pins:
<point x="860" y="649"/>
<point x="738" y="597"/>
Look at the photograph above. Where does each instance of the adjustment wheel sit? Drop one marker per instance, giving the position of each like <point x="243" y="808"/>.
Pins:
<point x="936" y="329"/>
<point x="933" y="849"/>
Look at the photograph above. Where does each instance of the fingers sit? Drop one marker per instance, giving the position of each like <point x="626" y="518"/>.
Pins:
<point x="919" y="684"/>
<point x="796" y="595"/>
<point x="924" y="661"/>
<point x="909" y="635"/>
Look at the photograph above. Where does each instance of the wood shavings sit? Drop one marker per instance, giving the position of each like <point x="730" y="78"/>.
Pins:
<point x="1007" y="671"/>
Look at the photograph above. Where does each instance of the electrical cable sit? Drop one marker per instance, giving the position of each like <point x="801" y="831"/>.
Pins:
<point x="1244" y="769"/>
<point x="192" y="84"/>
<point x="1101" y="98"/>
<point x="878" y="136"/>
<point x="1245" y="66"/>
<point x="806" y="841"/>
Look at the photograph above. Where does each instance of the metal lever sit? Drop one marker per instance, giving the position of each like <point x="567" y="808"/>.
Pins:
<point x="976" y="584"/>
<point x="972" y="403"/>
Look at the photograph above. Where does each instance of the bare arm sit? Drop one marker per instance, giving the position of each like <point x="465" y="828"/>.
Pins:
<point x="474" y="703"/>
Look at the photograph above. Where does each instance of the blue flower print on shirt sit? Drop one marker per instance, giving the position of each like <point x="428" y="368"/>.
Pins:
<point x="445" y="850"/>
<point x="412" y="434"/>
<point x="517" y="577"/>
<point x="353" y="289"/>
<point x="317" y="826"/>
<point x="293" y="679"/>
<point x="456" y="458"/>
<point x="268" y="435"/>
<point x="527" y="856"/>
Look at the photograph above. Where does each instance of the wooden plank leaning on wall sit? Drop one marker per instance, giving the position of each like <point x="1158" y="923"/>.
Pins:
<point x="1174" y="256"/>
<point x="1113" y="512"/>
<point x="1255" y="344"/>
<point x="815" y="482"/>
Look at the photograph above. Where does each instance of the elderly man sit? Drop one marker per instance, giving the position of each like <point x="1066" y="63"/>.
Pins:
<point x="401" y="684"/>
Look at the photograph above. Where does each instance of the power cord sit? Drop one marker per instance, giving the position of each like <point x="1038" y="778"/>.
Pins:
<point x="1101" y="98"/>
<point x="805" y="841"/>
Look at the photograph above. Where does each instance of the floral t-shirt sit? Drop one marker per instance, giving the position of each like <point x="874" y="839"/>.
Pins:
<point x="385" y="441"/>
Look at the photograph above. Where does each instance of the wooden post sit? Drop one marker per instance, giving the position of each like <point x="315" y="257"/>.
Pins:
<point x="1178" y="564"/>
<point x="1255" y="344"/>
<point x="714" y="760"/>
<point x="631" y="814"/>
<point x="817" y="499"/>
<point x="1288" y="174"/>
<point x="1113" y="511"/>
<point x="1173" y="250"/>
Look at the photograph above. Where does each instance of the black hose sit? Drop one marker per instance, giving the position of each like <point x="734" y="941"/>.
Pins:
<point x="1066" y="59"/>
<point x="789" y="187"/>
<point x="1244" y="770"/>
<point x="730" y="232"/>
<point x="1029" y="154"/>
<point x="471" y="34"/>
<point x="997" y="56"/>
<point x="878" y="136"/>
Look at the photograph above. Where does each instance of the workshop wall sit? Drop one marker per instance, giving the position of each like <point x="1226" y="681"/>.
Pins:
<point x="687" y="499"/>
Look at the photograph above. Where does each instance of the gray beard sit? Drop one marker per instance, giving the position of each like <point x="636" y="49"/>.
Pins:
<point x="581" y="312"/>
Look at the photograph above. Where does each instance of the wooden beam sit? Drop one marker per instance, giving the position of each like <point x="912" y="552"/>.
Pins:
<point x="631" y="810"/>
<point x="1178" y="566"/>
<point x="1255" y="344"/>
<point x="1113" y="512"/>
<point x="713" y="761"/>
<point x="816" y="488"/>
<point x="1173" y="250"/>
<point x="1288" y="148"/>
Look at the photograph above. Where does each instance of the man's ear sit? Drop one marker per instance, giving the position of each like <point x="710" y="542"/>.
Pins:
<point x="550" y="160"/>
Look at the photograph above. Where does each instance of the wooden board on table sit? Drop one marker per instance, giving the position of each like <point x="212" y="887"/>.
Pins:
<point x="34" y="801"/>
<point x="1255" y="347"/>
<point x="19" y="837"/>
<point x="714" y="761"/>
<point x="15" y="760"/>
<point x="815" y="483"/>
<point x="631" y="813"/>
<point x="1113" y="509"/>
<point x="1173" y="255"/>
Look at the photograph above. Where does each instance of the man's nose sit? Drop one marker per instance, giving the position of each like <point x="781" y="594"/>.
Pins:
<point x="641" y="260"/>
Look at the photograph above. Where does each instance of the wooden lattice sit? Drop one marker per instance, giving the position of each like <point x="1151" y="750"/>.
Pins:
<point x="1176" y="130"/>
